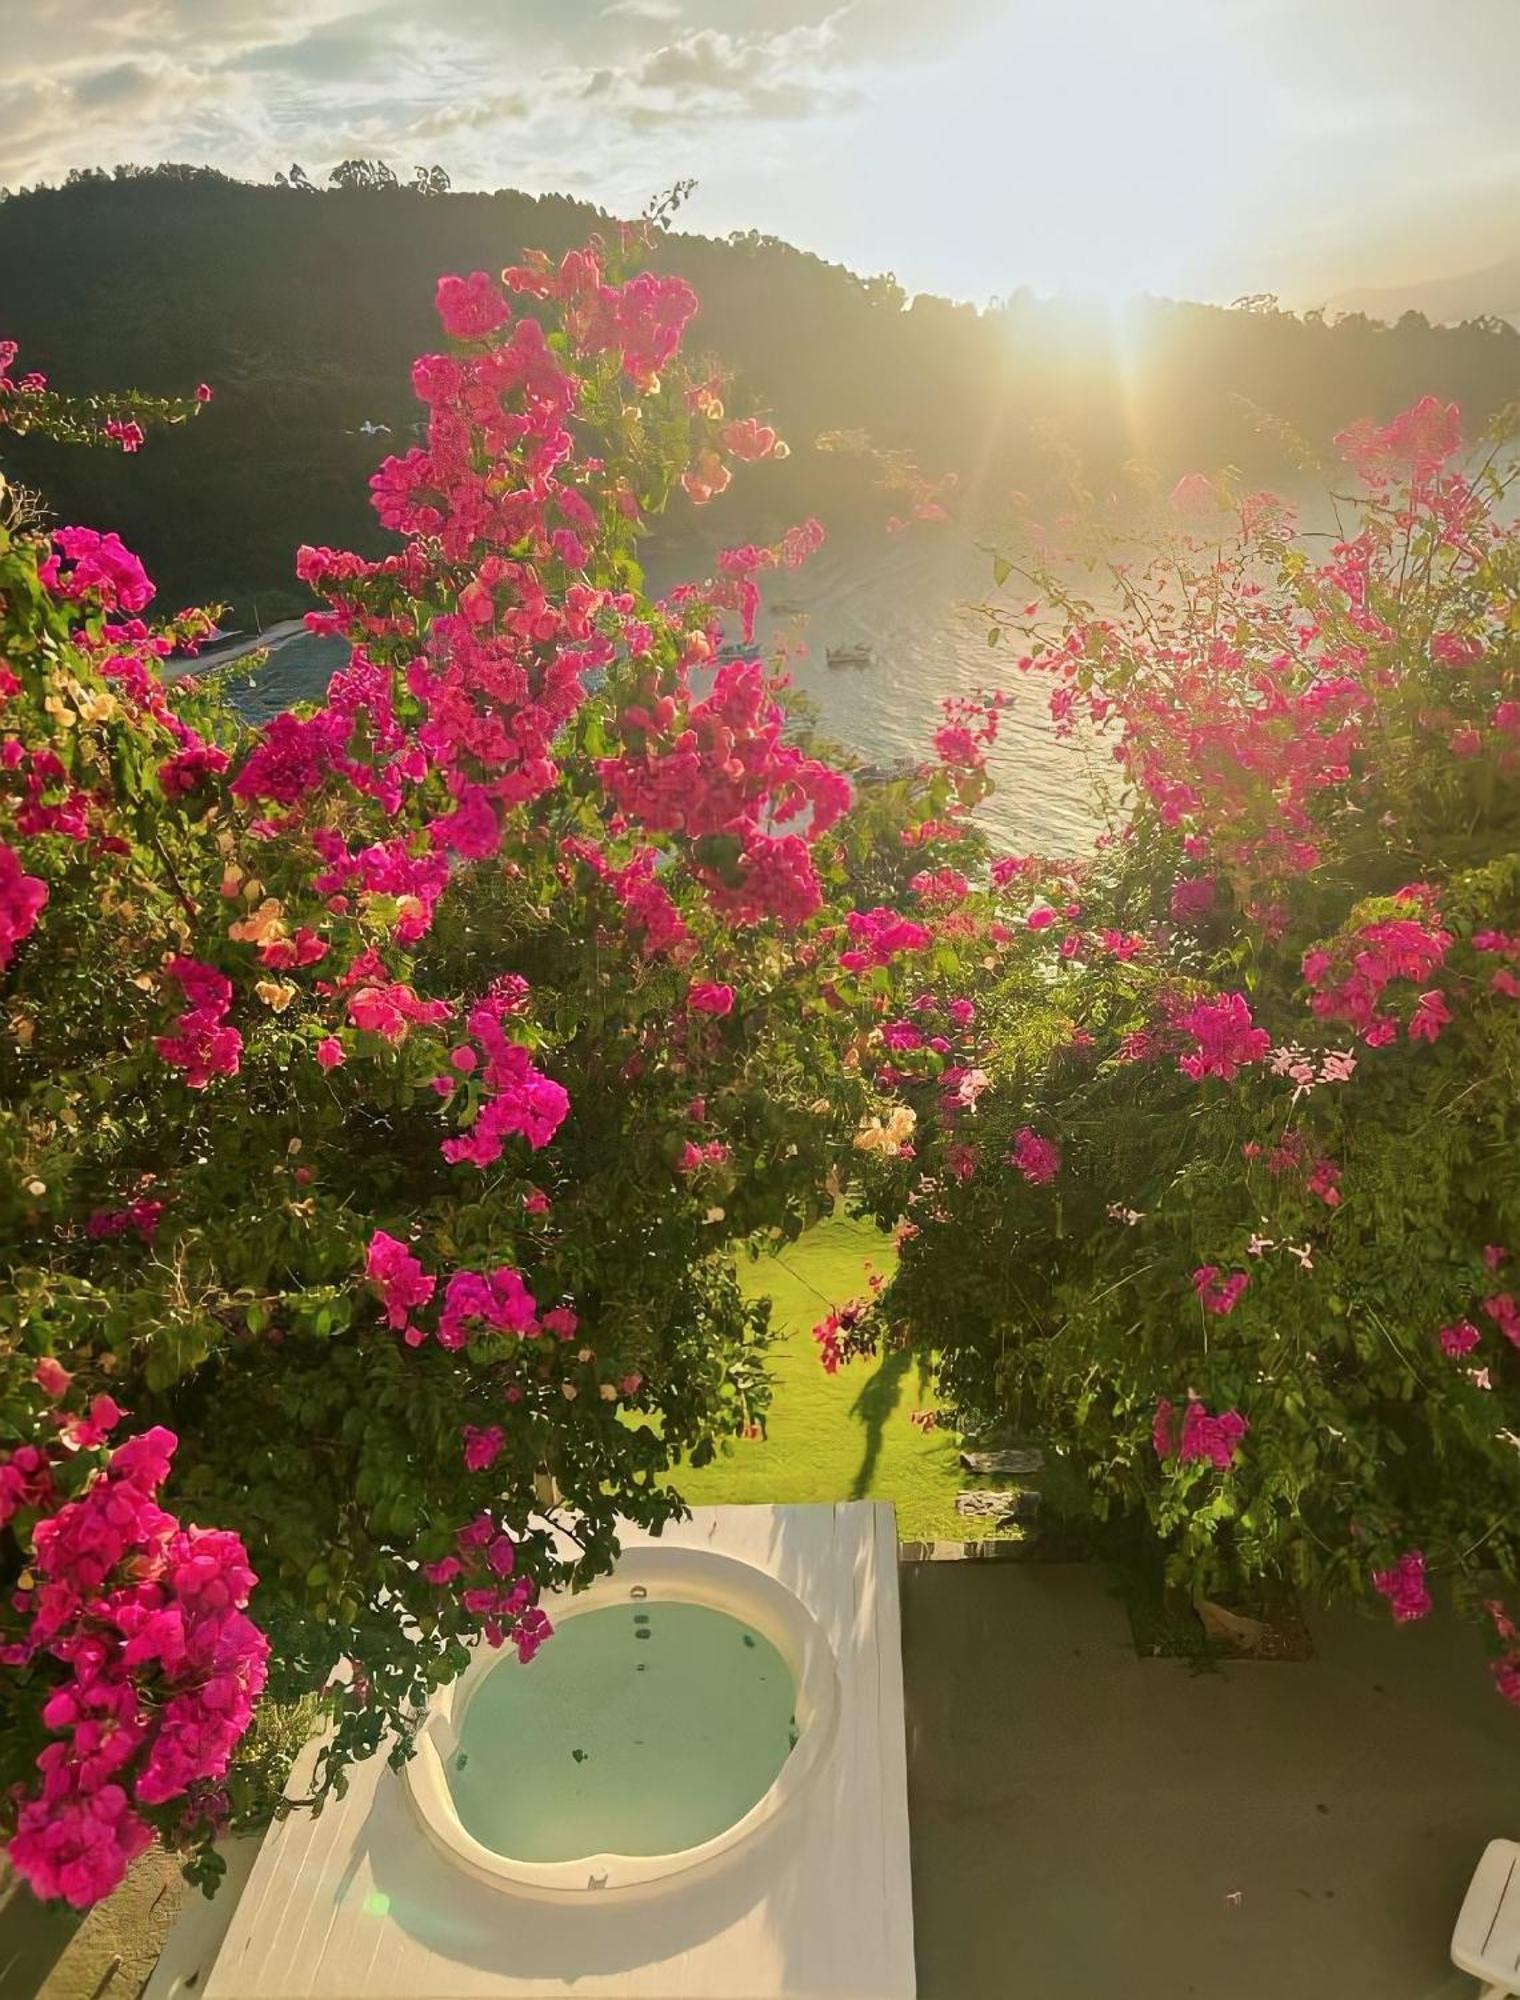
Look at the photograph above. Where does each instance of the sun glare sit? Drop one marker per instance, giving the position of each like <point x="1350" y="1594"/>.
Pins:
<point x="1114" y="149"/>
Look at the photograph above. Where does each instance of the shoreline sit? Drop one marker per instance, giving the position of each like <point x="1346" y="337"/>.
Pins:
<point x="212" y="657"/>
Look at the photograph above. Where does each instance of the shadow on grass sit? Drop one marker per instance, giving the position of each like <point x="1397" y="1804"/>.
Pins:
<point x="878" y="1398"/>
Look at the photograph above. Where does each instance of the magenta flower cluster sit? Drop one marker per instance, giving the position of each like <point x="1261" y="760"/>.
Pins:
<point x="1216" y="1439"/>
<point x="1224" y="1038"/>
<point x="1037" y="1159"/>
<point x="141" y="1624"/>
<point x="1405" y="1587"/>
<point x="202" y="1043"/>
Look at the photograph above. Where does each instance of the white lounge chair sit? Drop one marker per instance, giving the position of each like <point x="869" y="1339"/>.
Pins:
<point x="1486" y="1941"/>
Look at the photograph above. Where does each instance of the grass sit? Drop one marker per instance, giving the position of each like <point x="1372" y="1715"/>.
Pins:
<point x="841" y="1437"/>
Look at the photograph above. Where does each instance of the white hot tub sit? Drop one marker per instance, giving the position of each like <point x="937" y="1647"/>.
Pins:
<point x="681" y="1707"/>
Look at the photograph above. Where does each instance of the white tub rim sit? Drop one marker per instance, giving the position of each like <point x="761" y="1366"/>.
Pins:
<point x="650" y="1573"/>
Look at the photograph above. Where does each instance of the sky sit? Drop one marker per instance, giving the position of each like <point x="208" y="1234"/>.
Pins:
<point x="1199" y="148"/>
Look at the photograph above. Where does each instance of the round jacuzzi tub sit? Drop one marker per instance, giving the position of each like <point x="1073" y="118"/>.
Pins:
<point x="683" y="1704"/>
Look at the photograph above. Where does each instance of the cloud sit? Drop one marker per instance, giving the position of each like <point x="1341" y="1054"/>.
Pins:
<point x="642" y="10"/>
<point x="711" y="74"/>
<point x="772" y="103"/>
<point x="712" y="60"/>
<point x="121" y="87"/>
<point x="478" y="115"/>
<point x="357" y="49"/>
<point x="118" y="104"/>
<point x="30" y="113"/>
<point x="621" y="93"/>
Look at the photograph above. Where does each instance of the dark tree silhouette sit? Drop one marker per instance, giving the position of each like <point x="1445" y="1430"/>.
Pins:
<point x="305" y="318"/>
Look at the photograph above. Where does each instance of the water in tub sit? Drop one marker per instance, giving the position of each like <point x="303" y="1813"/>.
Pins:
<point x="643" y="1728"/>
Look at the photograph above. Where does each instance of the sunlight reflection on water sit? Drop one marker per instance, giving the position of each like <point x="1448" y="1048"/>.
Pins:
<point x="908" y="598"/>
<point x="905" y="598"/>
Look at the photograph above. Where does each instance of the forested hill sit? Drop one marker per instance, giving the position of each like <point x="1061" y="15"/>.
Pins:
<point x="304" y="308"/>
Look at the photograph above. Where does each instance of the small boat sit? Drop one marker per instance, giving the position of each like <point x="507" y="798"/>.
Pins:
<point x="727" y="654"/>
<point x="850" y="656"/>
<point x="788" y="607"/>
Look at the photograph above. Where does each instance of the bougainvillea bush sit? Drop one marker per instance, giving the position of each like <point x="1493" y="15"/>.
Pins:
<point x="382" y="1093"/>
<point x="1217" y="1189"/>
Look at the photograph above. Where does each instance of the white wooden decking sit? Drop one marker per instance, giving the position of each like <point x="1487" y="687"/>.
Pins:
<point x="358" y="1905"/>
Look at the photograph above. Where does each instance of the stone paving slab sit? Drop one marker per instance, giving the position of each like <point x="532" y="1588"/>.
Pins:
<point x="1087" y="1823"/>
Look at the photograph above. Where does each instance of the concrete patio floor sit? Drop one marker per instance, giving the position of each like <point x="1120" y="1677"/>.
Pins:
<point x="1086" y="1823"/>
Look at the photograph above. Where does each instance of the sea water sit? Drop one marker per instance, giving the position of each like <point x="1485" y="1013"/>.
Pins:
<point x="904" y="598"/>
<point x="642" y="1728"/>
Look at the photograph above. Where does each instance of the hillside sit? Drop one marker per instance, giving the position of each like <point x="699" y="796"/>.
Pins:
<point x="305" y="308"/>
<point x="1494" y="290"/>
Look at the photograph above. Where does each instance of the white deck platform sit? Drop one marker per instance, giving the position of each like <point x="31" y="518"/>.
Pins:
<point x="358" y="1905"/>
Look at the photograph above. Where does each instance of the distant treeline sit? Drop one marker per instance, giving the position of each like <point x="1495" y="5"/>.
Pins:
<point x="304" y="307"/>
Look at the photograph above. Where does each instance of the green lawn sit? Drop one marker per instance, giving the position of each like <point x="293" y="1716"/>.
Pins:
<point x="845" y="1437"/>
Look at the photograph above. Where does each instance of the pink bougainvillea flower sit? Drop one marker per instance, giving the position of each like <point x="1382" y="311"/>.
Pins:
<point x="202" y="1044"/>
<point x="1504" y="1310"/>
<point x="1192" y="898"/>
<point x="1460" y="1338"/>
<point x="845" y="1333"/>
<point x="190" y="768"/>
<point x="495" y="1301"/>
<point x="390" y="1011"/>
<point x="483" y="1446"/>
<point x="706" y="997"/>
<point x="95" y="1426"/>
<point x="1164" y="1429"/>
<point x="398" y="1276"/>
<point x="26" y="1481"/>
<point x="100" y="566"/>
<point x="1202" y="1436"/>
<point x="1404" y="1587"/>
<point x="1225" y="1038"/>
<point x="1219" y="1294"/>
<point x="530" y="1632"/>
<point x="130" y="436"/>
<point x="1195" y="493"/>
<point x="1430" y="1016"/>
<point x="519" y="1100"/>
<point x="1416" y="444"/>
<point x="471" y="307"/>
<point x="1037" y="1159"/>
<point x="943" y="886"/>
<point x="706" y="477"/>
<point x="163" y="1670"/>
<point x="1216" y="1438"/>
<point x="879" y="936"/>
<point x="51" y="1377"/>
<point x="747" y="437"/>
<point x="21" y="899"/>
